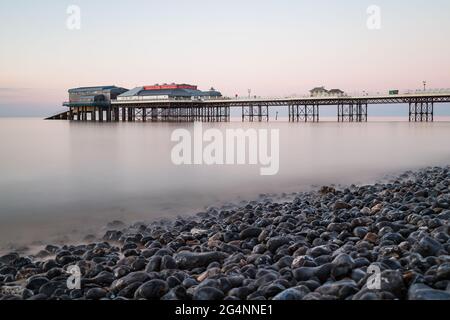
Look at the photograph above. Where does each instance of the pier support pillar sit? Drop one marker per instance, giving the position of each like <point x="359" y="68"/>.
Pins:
<point x="108" y="114"/>
<point x="421" y="111"/>
<point x="138" y="114"/>
<point x="259" y="112"/>
<point x="353" y="112"/>
<point x="130" y="114"/>
<point x="303" y="113"/>
<point x="154" y="114"/>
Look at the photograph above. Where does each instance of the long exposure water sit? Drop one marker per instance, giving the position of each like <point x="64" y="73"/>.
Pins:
<point x="61" y="179"/>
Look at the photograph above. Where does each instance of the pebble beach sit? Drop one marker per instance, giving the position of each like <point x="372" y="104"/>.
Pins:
<point x="317" y="246"/>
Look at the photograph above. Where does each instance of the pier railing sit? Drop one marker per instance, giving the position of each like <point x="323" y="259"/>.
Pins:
<point x="350" y="95"/>
<point x="353" y="94"/>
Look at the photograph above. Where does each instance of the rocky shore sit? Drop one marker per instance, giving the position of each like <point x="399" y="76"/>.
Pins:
<point x="383" y="241"/>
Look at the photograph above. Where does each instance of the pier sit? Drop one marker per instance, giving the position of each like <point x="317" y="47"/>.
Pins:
<point x="210" y="106"/>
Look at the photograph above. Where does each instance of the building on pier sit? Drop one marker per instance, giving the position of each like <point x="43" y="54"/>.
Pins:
<point x="89" y="102"/>
<point x="93" y="96"/>
<point x="106" y="103"/>
<point x="336" y="93"/>
<point x="319" y="92"/>
<point x="170" y="102"/>
<point x="168" y="92"/>
<point x="322" y="92"/>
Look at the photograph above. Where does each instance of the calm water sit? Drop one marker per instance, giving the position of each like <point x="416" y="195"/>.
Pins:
<point x="60" y="179"/>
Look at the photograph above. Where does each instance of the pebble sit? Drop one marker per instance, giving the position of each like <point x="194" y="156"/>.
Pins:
<point x="96" y="294"/>
<point x="427" y="246"/>
<point x="339" y="205"/>
<point x="35" y="282"/>
<point x="342" y="266"/>
<point x="250" y="233"/>
<point x="167" y="262"/>
<point x="274" y="243"/>
<point x="130" y="278"/>
<point x="424" y="292"/>
<point x="340" y="289"/>
<point x="191" y="260"/>
<point x="208" y="293"/>
<point x="151" y="290"/>
<point x="306" y="273"/>
<point x="292" y="294"/>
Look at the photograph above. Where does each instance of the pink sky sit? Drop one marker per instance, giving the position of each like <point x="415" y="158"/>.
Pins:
<point x="276" y="48"/>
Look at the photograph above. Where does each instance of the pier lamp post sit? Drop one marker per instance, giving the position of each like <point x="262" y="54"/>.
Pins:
<point x="424" y="86"/>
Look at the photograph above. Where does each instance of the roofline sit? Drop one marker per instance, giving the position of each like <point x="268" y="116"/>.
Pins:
<point x="96" y="87"/>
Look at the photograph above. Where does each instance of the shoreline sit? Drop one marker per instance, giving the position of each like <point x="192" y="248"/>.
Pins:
<point x="318" y="246"/>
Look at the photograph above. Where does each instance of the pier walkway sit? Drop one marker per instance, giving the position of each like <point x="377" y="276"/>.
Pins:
<point x="302" y="109"/>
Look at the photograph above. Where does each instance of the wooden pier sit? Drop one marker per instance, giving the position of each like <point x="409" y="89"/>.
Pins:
<point x="349" y="109"/>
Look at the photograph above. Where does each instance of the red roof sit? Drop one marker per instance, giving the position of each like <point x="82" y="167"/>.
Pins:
<point x="170" y="87"/>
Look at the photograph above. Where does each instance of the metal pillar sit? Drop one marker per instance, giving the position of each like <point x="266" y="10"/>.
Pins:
<point x="352" y="112"/>
<point x="260" y="112"/>
<point x="154" y="114"/>
<point x="303" y="113"/>
<point x="108" y="114"/>
<point x="421" y="111"/>
<point x="130" y="116"/>
<point x="124" y="114"/>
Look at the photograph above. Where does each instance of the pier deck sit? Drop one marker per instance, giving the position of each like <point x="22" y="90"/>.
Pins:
<point x="301" y="109"/>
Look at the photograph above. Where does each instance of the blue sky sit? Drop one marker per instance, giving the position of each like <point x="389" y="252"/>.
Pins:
<point x="276" y="48"/>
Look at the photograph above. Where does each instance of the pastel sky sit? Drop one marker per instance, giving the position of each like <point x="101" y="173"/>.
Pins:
<point x="276" y="48"/>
